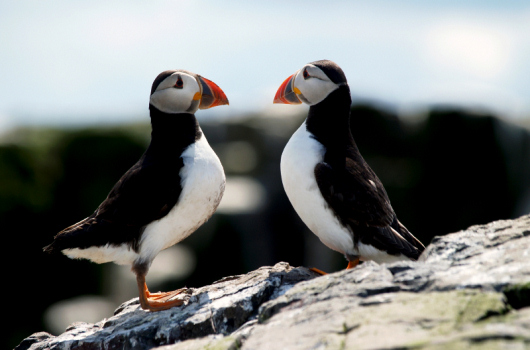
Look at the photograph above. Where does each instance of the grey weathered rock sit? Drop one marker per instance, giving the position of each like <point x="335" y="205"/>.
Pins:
<point x="220" y="308"/>
<point x="470" y="289"/>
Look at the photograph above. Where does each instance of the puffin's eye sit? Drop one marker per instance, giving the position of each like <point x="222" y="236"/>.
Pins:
<point x="179" y="84"/>
<point x="306" y="75"/>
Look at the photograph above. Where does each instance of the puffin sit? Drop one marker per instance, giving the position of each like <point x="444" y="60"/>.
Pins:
<point x="171" y="191"/>
<point x="328" y="182"/>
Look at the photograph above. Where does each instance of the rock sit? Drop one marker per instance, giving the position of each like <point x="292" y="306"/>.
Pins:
<point x="220" y="308"/>
<point x="470" y="289"/>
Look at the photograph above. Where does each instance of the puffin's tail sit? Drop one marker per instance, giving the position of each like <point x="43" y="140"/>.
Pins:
<point x="60" y="241"/>
<point x="51" y="248"/>
<point x="398" y="226"/>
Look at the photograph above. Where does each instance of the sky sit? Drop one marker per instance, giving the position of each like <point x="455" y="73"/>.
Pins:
<point x="78" y="63"/>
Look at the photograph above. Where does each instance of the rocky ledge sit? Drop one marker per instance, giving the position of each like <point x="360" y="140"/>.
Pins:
<point x="470" y="289"/>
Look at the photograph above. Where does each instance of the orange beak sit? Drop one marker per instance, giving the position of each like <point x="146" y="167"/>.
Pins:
<point x="286" y="93"/>
<point x="211" y="94"/>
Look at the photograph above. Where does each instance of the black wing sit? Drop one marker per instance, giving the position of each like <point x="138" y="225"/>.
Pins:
<point x="359" y="200"/>
<point x="145" y="193"/>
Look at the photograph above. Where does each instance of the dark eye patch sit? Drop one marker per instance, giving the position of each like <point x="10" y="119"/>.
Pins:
<point x="179" y="84"/>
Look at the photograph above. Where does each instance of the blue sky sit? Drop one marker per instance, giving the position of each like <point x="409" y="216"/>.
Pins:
<point x="71" y="62"/>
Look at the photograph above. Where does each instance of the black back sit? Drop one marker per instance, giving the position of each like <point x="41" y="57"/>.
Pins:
<point x="348" y="184"/>
<point x="146" y="192"/>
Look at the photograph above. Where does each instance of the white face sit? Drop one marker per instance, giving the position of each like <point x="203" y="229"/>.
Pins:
<point x="178" y="93"/>
<point x="313" y="84"/>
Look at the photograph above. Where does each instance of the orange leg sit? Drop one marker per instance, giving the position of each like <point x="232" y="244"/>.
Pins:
<point x="156" y="301"/>
<point x="352" y="264"/>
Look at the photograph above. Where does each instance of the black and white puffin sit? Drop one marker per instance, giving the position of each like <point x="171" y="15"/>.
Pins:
<point x="329" y="184"/>
<point x="173" y="189"/>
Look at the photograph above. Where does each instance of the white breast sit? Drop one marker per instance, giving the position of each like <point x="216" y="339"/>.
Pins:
<point x="299" y="158"/>
<point x="203" y="183"/>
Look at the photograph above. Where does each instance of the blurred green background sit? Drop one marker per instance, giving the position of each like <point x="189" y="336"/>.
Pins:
<point x="444" y="170"/>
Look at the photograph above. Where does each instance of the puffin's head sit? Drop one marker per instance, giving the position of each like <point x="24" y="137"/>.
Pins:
<point x="180" y="91"/>
<point x="311" y="84"/>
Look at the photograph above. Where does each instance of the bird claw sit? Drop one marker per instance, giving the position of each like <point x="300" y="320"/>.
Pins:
<point x="317" y="271"/>
<point x="165" y="296"/>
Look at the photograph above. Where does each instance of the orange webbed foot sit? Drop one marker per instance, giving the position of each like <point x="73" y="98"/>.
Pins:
<point x="320" y="272"/>
<point x="157" y="301"/>
<point x="351" y="265"/>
